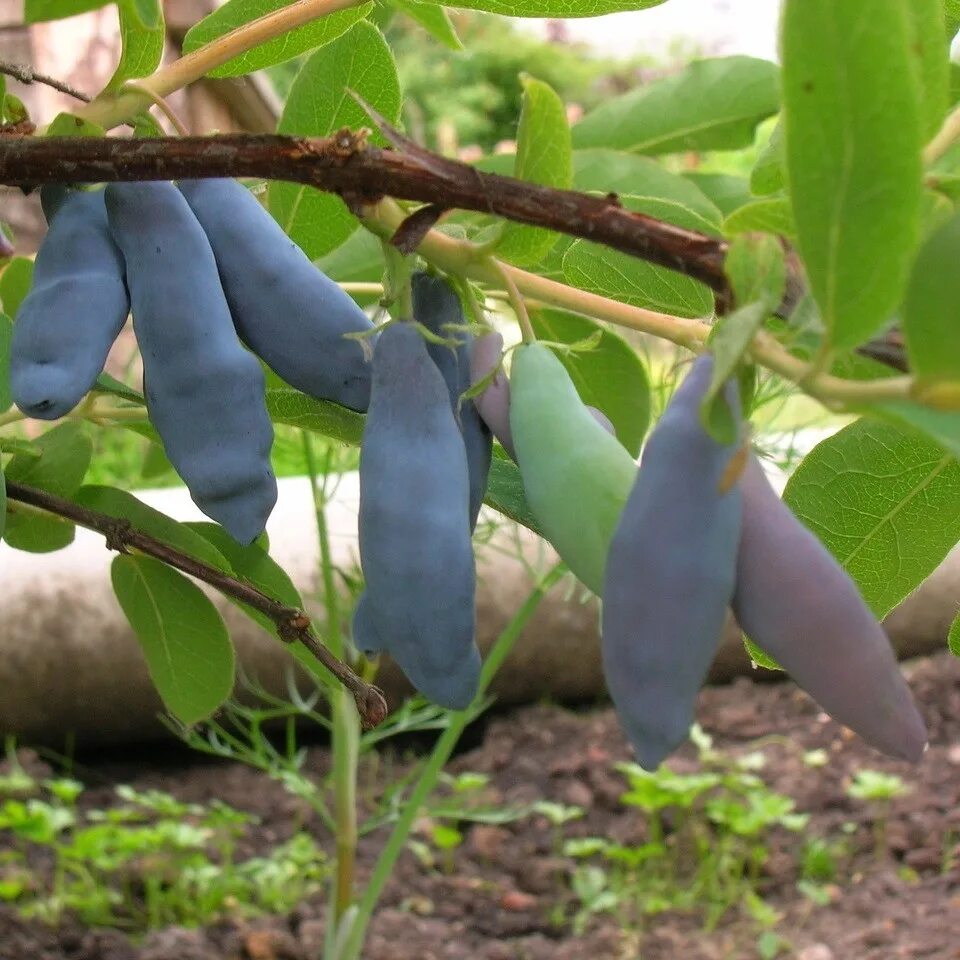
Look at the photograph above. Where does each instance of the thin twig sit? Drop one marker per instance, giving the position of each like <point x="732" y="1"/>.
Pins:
<point x="363" y="174"/>
<point x="347" y="164"/>
<point x="292" y="624"/>
<point x="28" y="75"/>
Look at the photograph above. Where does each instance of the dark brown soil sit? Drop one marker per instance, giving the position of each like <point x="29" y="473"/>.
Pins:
<point x="508" y="891"/>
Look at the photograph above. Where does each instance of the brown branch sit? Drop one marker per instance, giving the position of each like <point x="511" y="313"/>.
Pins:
<point x="348" y="165"/>
<point x="292" y="624"/>
<point x="29" y="75"/>
<point x="359" y="172"/>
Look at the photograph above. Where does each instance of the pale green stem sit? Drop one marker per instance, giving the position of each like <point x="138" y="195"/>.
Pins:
<point x="434" y="765"/>
<point x="346" y="723"/>
<point x="943" y="139"/>
<point x="459" y="256"/>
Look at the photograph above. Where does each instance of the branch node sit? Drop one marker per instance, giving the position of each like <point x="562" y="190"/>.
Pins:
<point x="293" y="629"/>
<point x="116" y="533"/>
<point x="372" y="707"/>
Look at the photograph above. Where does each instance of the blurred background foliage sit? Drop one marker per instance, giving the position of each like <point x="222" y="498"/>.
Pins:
<point x="471" y="97"/>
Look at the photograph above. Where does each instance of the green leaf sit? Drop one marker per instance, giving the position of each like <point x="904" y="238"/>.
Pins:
<point x="940" y="426"/>
<point x="609" y="377"/>
<point x="767" y="175"/>
<point x="38" y="11"/>
<point x="953" y="638"/>
<point x="885" y="502"/>
<point x="758" y="656"/>
<point x="236" y="13"/>
<point x="184" y="639"/>
<point x="725" y="191"/>
<point x="433" y="18"/>
<point x="505" y="491"/>
<point x="115" y="388"/>
<point x="634" y="177"/>
<point x="60" y="460"/>
<point x="849" y="81"/>
<point x="710" y="105"/>
<point x="14" y="109"/>
<point x="553" y="8"/>
<point x="64" y="455"/>
<point x="155" y="463"/>
<point x="543" y="157"/>
<point x="951" y="9"/>
<point x="932" y="61"/>
<point x="286" y="405"/>
<point x="70" y="125"/>
<point x="359" y="259"/>
<point x="318" y="105"/>
<point x="148" y="13"/>
<point x="630" y="280"/>
<point x="15" y="284"/>
<point x="763" y="216"/>
<point x="6" y="336"/>
<point x="144" y="125"/>
<point x="125" y="506"/>
<point x="756" y="268"/>
<point x="142" y="34"/>
<point x="931" y="308"/>
<point x="729" y="340"/>
<point x="255" y="566"/>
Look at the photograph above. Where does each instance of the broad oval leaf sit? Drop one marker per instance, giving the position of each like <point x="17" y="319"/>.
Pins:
<point x="286" y="405"/>
<point x="951" y="9"/>
<point x="254" y="565"/>
<point x="183" y="637"/>
<point x="885" y="502"/>
<point x="631" y="280"/>
<point x="614" y="171"/>
<point x="38" y="11"/>
<point x="932" y="59"/>
<point x="125" y="506"/>
<point x="619" y="276"/>
<point x="505" y="491"/>
<point x="849" y="79"/>
<point x="940" y="426"/>
<point x="433" y="18"/>
<point x="767" y="175"/>
<point x="142" y="34"/>
<point x="236" y="13"/>
<point x="64" y="456"/>
<point x="931" y="308"/>
<point x="610" y="377"/>
<point x="317" y="106"/>
<point x="543" y="157"/>
<point x="770" y="215"/>
<point x="725" y="191"/>
<point x="710" y="105"/>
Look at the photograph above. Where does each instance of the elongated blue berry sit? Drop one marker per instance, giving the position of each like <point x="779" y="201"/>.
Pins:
<point x="74" y="311"/>
<point x="800" y="606"/>
<point x="437" y="306"/>
<point x="205" y="392"/>
<point x="286" y="311"/>
<point x="670" y="573"/>
<point x="415" y="542"/>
